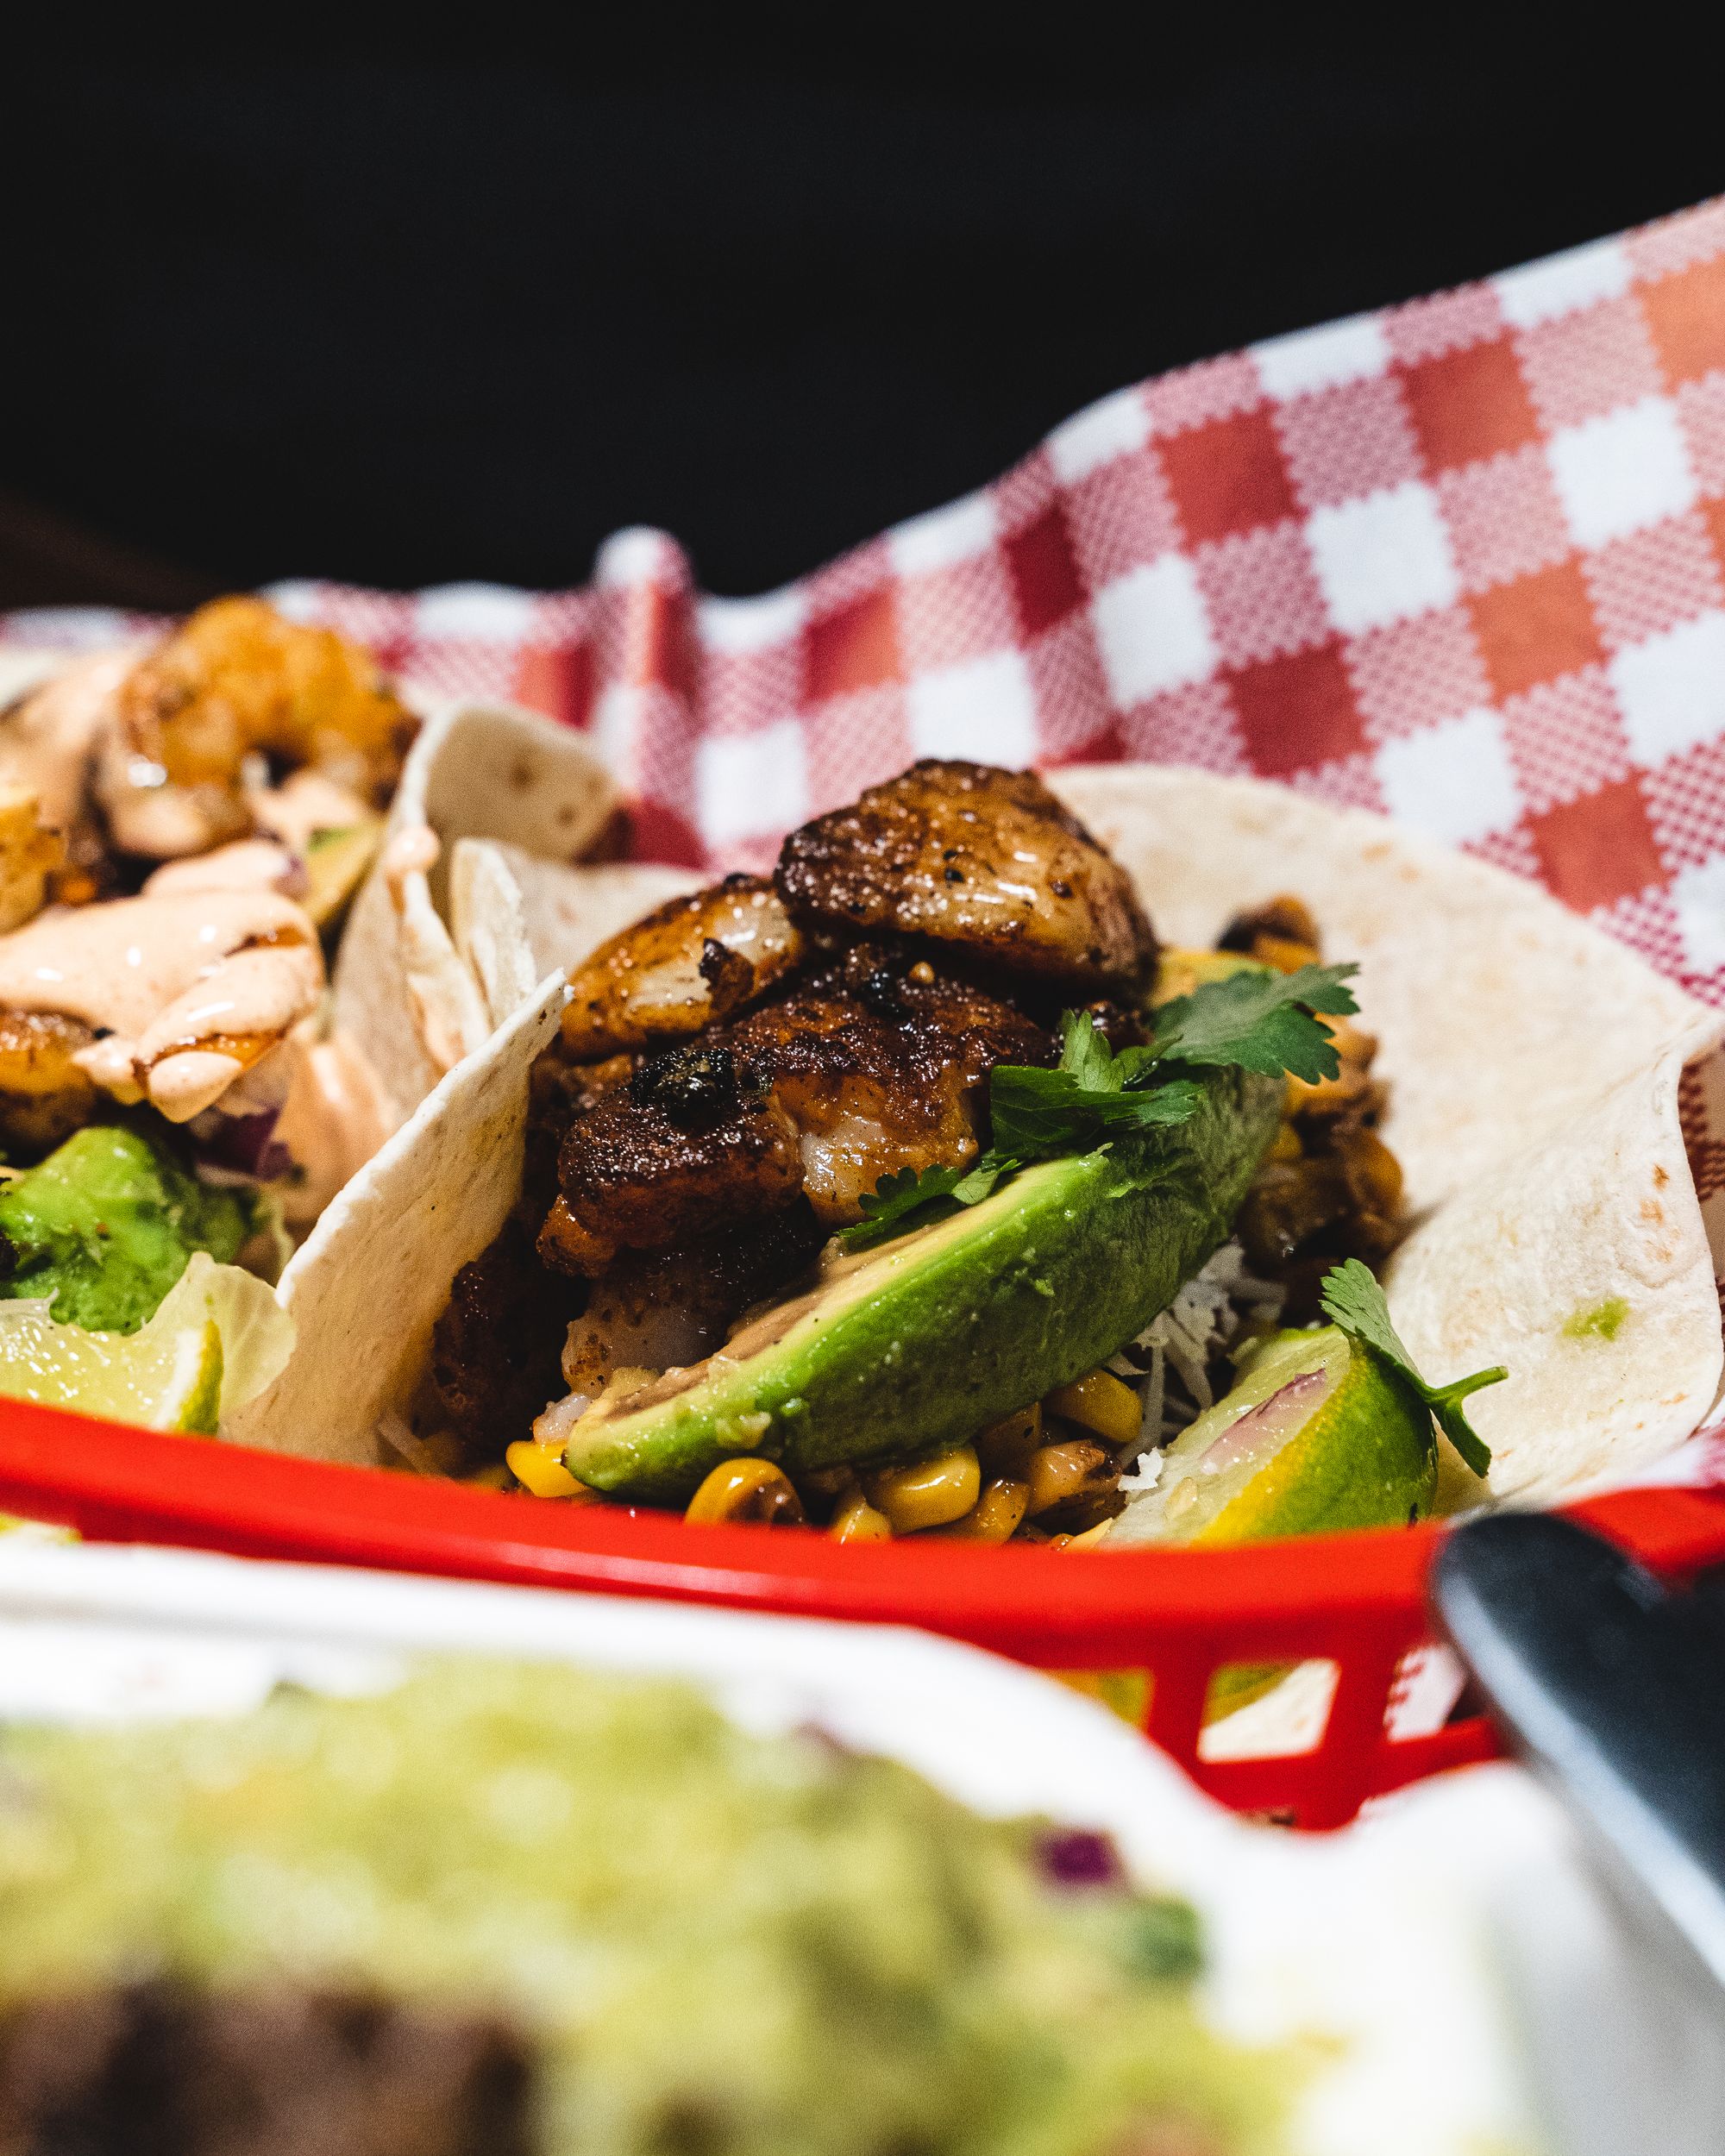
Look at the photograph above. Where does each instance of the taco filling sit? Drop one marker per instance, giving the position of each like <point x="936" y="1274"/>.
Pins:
<point x="918" y="1188"/>
<point x="181" y="827"/>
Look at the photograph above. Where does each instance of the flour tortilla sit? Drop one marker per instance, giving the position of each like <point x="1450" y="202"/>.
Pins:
<point x="412" y="999"/>
<point x="1533" y="1067"/>
<point x="488" y="926"/>
<point x="367" y="1287"/>
<point x="522" y="915"/>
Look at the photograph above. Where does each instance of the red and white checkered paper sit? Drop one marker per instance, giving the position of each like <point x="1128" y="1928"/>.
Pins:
<point x="1462" y="561"/>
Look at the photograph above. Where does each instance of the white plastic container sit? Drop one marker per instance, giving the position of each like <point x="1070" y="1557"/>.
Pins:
<point x="1478" y="1992"/>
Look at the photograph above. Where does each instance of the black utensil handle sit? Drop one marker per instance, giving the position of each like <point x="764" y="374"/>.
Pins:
<point x="1613" y="1691"/>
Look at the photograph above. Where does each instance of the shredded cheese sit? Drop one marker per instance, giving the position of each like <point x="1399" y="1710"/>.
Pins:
<point x="1168" y="1362"/>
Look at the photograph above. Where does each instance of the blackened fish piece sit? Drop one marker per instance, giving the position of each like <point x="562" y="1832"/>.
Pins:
<point x="695" y="1087"/>
<point x="688" y="963"/>
<point x="496" y="1351"/>
<point x="856" y="1073"/>
<point x="976" y="860"/>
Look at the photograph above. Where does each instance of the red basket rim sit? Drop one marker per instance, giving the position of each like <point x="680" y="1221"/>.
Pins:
<point x="115" y="1483"/>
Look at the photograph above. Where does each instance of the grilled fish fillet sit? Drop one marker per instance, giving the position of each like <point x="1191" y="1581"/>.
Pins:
<point x="977" y="860"/>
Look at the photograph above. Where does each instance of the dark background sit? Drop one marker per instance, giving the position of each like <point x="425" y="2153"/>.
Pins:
<point x="402" y="314"/>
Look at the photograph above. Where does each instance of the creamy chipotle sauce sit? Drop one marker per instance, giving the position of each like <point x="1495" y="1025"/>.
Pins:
<point x="47" y="739"/>
<point x="249" y="864"/>
<point x="336" y="1118"/>
<point x="188" y="990"/>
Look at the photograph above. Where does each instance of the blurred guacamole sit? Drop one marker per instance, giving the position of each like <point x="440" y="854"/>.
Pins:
<point x="714" y="1943"/>
<point x="106" y="1224"/>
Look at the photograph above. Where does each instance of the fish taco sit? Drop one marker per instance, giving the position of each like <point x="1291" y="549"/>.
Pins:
<point x="1137" y="1156"/>
<point x="224" y="978"/>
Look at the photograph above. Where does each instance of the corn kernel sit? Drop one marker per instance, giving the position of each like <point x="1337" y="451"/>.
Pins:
<point x="1328" y="1096"/>
<point x="1077" y="1468"/>
<point x="857" y="1520"/>
<point x="540" y="1468"/>
<point x="1004" y="1446"/>
<point x="752" y="1492"/>
<point x="1090" y="1537"/>
<point x="995" y="1516"/>
<point x="1179" y="972"/>
<point x="1284" y="952"/>
<point x="1350" y="1042"/>
<point x="929" y="1493"/>
<point x="1099" y="1401"/>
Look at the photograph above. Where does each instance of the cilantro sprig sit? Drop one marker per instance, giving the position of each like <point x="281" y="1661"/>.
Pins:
<point x="934" y="1192"/>
<point x="1261" y="1022"/>
<point x="1089" y="1095"/>
<point x="1264" y="1022"/>
<point x="1352" y="1300"/>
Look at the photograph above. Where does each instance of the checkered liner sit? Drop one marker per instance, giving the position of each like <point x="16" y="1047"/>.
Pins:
<point x="1463" y="561"/>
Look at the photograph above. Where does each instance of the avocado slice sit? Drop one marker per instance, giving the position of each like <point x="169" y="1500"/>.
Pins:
<point x="108" y="1223"/>
<point x="335" y="864"/>
<point x="921" y="1342"/>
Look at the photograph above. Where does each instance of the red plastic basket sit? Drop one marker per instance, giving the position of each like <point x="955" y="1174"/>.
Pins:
<point x="1161" y="1622"/>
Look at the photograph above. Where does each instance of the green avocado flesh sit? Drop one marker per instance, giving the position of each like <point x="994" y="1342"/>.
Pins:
<point x="335" y="864"/>
<point x="925" y="1340"/>
<point x="106" y="1224"/>
<point x="711" y="1941"/>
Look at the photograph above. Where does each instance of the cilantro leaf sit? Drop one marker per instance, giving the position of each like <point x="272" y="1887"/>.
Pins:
<point x="887" y="1208"/>
<point x="1085" y="1054"/>
<point x="1353" y="1300"/>
<point x="904" y="1192"/>
<point x="1037" y="1115"/>
<point x="1261" y="1021"/>
<point x="1040" y="1114"/>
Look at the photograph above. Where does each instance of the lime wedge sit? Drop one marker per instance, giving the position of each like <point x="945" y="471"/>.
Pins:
<point x="138" y="1377"/>
<point x="219" y="1338"/>
<point x="1316" y="1437"/>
